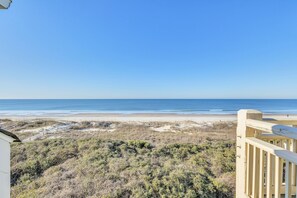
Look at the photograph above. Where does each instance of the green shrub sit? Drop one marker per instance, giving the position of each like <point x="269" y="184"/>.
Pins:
<point x="110" y="168"/>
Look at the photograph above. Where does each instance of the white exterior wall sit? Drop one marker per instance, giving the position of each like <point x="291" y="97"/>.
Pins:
<point x="4" y="169"/>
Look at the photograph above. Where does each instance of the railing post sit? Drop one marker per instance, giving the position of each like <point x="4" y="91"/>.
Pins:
<point x="241" y="159"/>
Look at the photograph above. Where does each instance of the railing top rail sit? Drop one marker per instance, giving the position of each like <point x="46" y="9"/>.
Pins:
<point x="267" y="135"/>
<point x="287" y="121"/>
<point x="273" y="149"/>
<point x="281" y="130"/>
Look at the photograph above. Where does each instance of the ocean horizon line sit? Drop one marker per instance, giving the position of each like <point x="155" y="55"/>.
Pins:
<point x="148" y="98"/>
<point x="131" y="106"/>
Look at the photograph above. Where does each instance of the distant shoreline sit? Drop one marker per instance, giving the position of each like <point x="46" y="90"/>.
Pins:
<point x="139" y="117"/>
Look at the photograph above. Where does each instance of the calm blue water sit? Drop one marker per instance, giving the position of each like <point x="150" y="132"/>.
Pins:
<point x="187" y="106"/>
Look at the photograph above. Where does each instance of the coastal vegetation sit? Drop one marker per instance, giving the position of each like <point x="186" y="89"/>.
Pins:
<point x="149" y="163"/>
<point x="96" y="168"/>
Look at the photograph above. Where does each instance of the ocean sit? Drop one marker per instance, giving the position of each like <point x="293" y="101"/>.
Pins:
<point x="128" y="106"/>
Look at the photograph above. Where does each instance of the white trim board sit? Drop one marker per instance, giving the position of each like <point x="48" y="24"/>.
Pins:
<point x="5" y="137"/>
<point x="4" y="4"/>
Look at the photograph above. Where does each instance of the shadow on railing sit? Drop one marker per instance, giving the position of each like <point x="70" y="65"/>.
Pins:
<point x="266" y="156"/>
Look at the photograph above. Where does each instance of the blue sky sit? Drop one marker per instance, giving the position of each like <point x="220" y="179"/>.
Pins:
<point x="149" y="49"/>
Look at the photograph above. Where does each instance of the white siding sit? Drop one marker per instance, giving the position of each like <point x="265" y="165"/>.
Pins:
<point x="4" y="169"/>
<point x="4" y="185"/>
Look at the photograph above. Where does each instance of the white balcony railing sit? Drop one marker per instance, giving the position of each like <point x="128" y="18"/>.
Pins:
<point x="266" y="156"/>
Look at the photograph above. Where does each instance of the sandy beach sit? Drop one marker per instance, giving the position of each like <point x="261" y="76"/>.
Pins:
<point x="139" y="126"/>
<point x="145" y="117"/>
<point x="125" y="117"/>
<point x="53" y="125"/>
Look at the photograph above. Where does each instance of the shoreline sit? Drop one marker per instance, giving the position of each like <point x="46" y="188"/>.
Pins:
<point x="140" y="117"/>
